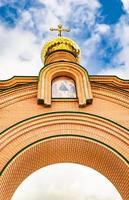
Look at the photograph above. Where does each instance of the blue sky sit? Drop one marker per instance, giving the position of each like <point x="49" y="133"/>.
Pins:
<point x="100" y="27"/>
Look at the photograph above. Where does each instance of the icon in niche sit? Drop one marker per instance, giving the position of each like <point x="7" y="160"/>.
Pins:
<point x="63" y="87"/>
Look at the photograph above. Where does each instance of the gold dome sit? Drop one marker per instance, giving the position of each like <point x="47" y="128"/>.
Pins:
<point x="60" y="43"/>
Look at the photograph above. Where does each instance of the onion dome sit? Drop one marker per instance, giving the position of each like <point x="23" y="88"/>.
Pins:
<point x="60" y="44"/>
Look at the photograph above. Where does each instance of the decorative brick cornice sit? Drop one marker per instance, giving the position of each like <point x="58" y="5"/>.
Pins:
<point x="111" y="93"/>
<point x="99" y="90"/>
<point x="110" y="80"/>
<point x="16" y="94"/>
<point x="17" y="81"/>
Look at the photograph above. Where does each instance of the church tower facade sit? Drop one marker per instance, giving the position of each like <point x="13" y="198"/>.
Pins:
<point x="64" y="116"/>
<point x="62" y="75"/>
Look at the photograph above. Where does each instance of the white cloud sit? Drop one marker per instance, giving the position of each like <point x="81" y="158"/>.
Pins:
<point x="21" y="46"/>
<point x="19" y="53"/>
<point x="126" y="4"/>
<point x="120" y="62"/>
<point x="102" y="29"/>
<point x="66" y="181"/>
<point x="90" y="47"/>
<point x="76" y="11"/>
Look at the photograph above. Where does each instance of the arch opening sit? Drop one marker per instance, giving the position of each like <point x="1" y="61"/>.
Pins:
<point x="66" y="181"/>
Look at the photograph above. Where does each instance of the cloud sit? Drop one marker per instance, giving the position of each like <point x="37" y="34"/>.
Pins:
<point x="102" y="29"/>
<point x="19" y="53"/>
<point x="21" y="45"/>
<point x="126" y="5"/>
<point x="120" y="62"/>
<point x="73" y="12"/>
<point x="32" y="30"/>
<point x="92" y="48"/>
<point x="66" y="181"/>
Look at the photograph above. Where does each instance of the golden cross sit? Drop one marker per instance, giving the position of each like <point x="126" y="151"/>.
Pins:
<point x="60" y="29"/>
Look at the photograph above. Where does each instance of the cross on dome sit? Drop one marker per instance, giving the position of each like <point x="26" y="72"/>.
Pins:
<point x="60" y="29"/>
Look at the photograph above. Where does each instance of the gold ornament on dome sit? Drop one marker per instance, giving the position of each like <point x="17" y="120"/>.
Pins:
<point x="60" y="43"/>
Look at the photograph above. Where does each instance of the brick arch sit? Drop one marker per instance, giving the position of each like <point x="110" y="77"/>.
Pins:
<point x="78" y="123"/>
<point x="64" y="137"/>
<point x="64" y="68"/>
<point x="62" y="149"/>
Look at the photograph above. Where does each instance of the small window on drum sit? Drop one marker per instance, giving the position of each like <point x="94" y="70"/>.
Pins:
<point x="63" y="87"/>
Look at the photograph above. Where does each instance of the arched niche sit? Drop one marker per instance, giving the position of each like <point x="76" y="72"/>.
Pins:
<point x="63" y="87"/>
<point x="61" y="69"/>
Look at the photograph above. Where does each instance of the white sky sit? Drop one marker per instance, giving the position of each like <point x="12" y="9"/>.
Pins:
<point x="66" y="182"/>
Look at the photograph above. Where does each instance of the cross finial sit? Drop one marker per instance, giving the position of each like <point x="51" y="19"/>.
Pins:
<point x="60" y="29"/>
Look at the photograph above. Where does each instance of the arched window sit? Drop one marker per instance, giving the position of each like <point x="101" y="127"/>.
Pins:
<point x="63" y="87"/>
